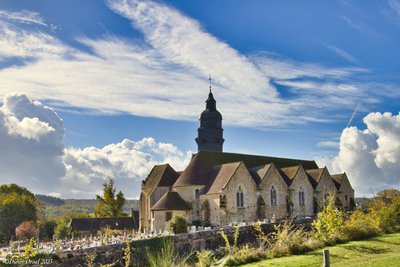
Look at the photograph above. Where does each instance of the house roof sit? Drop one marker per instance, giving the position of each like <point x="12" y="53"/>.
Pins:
<point x="338" y="179"/>
<point x="224" y="173"/>
<point x="95" y="224"/>
<point x="171" y="201"/>
<point x="315" y="176"/>
<point x="200" y="166"/>
<point x="160" y="175"/>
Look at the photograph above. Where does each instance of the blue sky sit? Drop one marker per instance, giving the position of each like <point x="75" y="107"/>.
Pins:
<point x="288" y="76"/>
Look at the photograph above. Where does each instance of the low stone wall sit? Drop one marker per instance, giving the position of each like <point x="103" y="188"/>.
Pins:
<point x="184" y="244"/>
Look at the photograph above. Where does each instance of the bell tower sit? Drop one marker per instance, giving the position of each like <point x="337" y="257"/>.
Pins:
<point x="210" y="132"/>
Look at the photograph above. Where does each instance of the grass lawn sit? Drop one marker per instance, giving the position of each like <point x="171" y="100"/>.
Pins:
<point x="379" y="251"/>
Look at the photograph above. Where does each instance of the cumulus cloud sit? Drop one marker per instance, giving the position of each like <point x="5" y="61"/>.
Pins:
<point x="31" y="143"/>
<point x="33" y="155"/>
<point x="168" y="69"/>
<point x="370" y="157"/>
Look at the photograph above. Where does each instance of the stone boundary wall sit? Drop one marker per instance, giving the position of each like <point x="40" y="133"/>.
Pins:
<point x="184" y="244"/>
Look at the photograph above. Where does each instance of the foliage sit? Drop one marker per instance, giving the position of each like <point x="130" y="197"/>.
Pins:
<point x="47" y="228"/>
<point x="360" y="225"/>
<point x="49" y="200"/>
<point x="228" y="248"/>
<point x="110" y="205"/>
<point x="127" y="254"/>
<point x="17" y="204"/>
<point x="62" y="230"/>
<point x="286" y="239"/>
<point x="31" y="252"/>
<point x="205" y="258"/>
<point x="245" y="254"/>
<point x="385" y="207"/>
<point x="178" y="225"/>
<point x="329" y="220"/>
<point x="165" y="256"/>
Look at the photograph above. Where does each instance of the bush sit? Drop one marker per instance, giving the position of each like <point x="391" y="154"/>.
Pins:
<point x="166" y="256"/>
<point x="328" y="221"/>
<point x="286" y="240"/>
<point x="245" y="255"/>
<point x="360" y="225"/>
<point x="178" y="225"/>
<point x="204" y="258"/>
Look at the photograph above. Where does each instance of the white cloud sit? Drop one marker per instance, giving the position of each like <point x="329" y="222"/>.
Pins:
<point x="370" y="157"/>
<point x="33" y="155"/>
<point x="24" y="16"/>
<point x="168" y="71"/>
<point x="329" y="144"/>
<point x="128" y="162"/>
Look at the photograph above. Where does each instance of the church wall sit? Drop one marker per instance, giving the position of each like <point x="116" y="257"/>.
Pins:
<point x="159" y="218"/>
<point x="214" y="209"/>
<point x="243" y="179"/>
<point x="346" y="190"/>
<point x="301" y="182"/>
<point x="324" y="188"/>
<point x="187" y="193"/>
<point x="273" y="178"/>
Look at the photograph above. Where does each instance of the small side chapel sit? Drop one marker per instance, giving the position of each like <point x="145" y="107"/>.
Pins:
<point x="218" y="188"/>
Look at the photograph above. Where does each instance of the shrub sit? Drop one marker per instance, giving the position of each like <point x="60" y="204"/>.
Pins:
<point x="178" y="225"/>
<point x="204" y="258"/>
<point x="166" y="256"/>
<point x="286" y="240"/>
<point x="245" y="254"/>
<point x="328" y="221"/>
<point x="360" y="225"/>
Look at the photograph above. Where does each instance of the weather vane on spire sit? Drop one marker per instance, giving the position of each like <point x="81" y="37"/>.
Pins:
<point x="209" y="78"/>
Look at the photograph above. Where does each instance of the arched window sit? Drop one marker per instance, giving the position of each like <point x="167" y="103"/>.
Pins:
<point x="239" y="198"/>
<point x="197" y="193"/>
<point x="301" y="197"/>
<point x="273" y="196"/>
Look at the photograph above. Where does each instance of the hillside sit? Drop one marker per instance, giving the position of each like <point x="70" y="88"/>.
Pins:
<point x="58" y="207"/>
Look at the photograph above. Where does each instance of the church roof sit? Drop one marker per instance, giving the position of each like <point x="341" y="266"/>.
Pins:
<point x="338" y="179"/>
<point x="199" y="170"/>
<point x="160" y="175"/>
<point x="289" y="173"/>
<point x="171" y="201"/>
<point x="315" y="176"/>
<point x="258" y="172"/>
<point x="224" y="174"/>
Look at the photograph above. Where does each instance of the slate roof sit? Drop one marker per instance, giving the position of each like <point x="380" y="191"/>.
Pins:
<point x="289" y="173"/>
<point x="171" y="201"/>
<point x="258" y="172"/>
<point x="160" y="175"/>
<point x="315" y="176"/>
<point x="338" y="179"/>
<point x="199" y="170"/>
<point x="224" y="174"/>
<point x="95" y="224"/>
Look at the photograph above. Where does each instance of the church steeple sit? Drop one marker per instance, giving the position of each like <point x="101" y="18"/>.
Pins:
<point x="210" y="132"/>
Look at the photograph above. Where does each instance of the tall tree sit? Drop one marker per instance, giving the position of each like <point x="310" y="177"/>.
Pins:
<point x="110" y="205"/>
<point x="17" y="204"/>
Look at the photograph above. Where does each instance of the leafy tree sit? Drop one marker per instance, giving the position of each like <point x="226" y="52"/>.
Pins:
<point x="17" y="204"/>
<point x="110" y="205"/>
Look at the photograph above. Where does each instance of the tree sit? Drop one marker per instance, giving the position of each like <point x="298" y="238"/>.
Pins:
<point x="110" y="205"/>
<point x="178" y="225"/>
<point x="17" y="204"/>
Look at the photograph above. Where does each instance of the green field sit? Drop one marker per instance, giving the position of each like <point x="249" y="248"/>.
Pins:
<point x="379" y="251"/>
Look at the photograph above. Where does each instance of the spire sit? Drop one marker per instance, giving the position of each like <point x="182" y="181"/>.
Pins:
<point x="211" y="103"/>
<point x="209" y="78"/>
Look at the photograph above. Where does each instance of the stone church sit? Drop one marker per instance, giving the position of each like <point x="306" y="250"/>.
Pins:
<point x="218" y="188"/>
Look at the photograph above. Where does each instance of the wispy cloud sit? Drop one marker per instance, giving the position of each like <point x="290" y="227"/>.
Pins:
<point x="395" y="5"/>
<point x="24" y="16"/>
<point x="168" y="70"/>
<point x="340" y="52"/>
